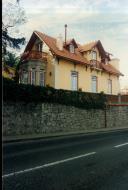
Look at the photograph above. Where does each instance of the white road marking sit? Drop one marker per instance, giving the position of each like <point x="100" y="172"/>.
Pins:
<point x="47" y="165"/>
<point x="117" y="146"/>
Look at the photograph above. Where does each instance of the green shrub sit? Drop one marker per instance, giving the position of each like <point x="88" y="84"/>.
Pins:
<point x="13" y="91"/>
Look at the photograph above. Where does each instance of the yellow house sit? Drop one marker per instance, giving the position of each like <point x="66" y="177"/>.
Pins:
<point x="49" y="61"/>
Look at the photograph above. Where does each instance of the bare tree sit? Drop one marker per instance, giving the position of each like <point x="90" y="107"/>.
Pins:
<point x="12" y="17"/>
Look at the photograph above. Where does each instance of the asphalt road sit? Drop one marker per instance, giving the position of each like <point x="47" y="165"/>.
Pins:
<point x="85" y="162"/>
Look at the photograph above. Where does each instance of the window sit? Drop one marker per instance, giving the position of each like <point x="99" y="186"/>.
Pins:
<point x="71" y="48"/>
<point x="41" y="78"/>
<point x="94" y="84"/>
<point x="25" y="77"/>
<point x="74" y="80"/>
<point x="39" y="47"/>
<point x="33" y="77"/>
<point x="109" y="86"/>
<point x="94" y="55"/>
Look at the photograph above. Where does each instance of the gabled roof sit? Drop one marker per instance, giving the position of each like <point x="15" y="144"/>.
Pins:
<point x="74" y="57"/>
<point x="110" y="69"/>
<point x="88" y="46"/>
<point x="91" y="45"/>
<point x="71" y="41"/>
<point x="51" y="42"/>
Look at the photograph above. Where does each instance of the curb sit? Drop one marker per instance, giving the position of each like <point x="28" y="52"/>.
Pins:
<point x="63" y="136"/>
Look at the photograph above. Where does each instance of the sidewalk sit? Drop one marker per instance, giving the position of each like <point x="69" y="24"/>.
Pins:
<point x="59" y="135"/>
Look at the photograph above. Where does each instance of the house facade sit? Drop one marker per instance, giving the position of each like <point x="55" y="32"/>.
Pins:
<point x="49" y="61"/>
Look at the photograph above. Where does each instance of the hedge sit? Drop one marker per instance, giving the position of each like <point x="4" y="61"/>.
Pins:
<point x="15" y="92"/>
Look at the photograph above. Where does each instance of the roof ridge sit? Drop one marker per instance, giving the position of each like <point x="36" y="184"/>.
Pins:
<point x="91" y="42"/>
<point x="44" y="34"/>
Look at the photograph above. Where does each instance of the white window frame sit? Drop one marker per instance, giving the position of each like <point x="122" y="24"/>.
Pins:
<point x="109" y="86"/>
<point x="71" y="48"/>
<point x="33" y="77"/>
<point x="25" y="77"/>
<point x="94" y="55"/>
<point x="94" y="82"/>
<point x="74" y="80"/>
<point x="41" y="81"/>
<point x="40" y="47"/>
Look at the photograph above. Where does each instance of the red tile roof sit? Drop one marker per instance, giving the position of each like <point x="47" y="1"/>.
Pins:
<point x="71" y="41"/>
<point x="88" y="46"/>
<point x="110" y="69"/>
<point x="98" y="44"/>
<point x="51" y="42"/>
<point x="77" y="56"/>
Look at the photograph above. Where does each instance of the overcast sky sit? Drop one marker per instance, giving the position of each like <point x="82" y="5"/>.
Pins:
<point x="87" y="20"/>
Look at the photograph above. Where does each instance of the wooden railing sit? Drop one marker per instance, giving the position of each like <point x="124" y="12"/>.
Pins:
<point x="34" y="55"/>
<point x="95" y="64"/>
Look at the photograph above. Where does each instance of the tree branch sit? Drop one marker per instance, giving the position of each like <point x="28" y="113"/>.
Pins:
<point x="8" y="26"/>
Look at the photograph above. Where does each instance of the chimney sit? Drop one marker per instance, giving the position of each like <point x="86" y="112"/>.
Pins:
<point x="115" y="63"/>
<point x="65" y="32"/>
<point x="59" y="42"/>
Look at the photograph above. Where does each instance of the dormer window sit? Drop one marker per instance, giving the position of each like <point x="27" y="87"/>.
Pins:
<point x="70" y="45"/>
<point x="71" y="48"/>
<point x="94" y="55"/>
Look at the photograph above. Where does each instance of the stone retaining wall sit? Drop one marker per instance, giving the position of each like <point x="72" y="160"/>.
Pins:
<point x="20" y="118"/>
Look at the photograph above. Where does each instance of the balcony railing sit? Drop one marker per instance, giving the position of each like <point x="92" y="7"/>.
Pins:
<point x="34" y="55"/>
<point x="95" y="64"/>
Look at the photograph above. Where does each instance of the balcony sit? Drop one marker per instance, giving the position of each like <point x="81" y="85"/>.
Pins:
<point x="34" y="55"/>
<point x="95" y="65"/>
